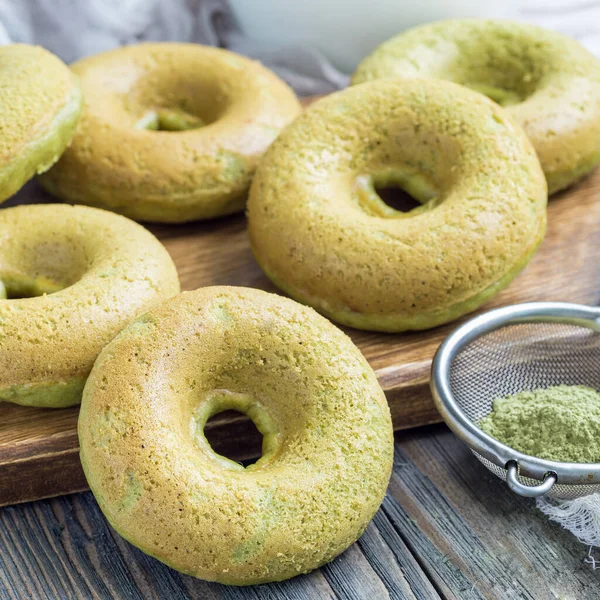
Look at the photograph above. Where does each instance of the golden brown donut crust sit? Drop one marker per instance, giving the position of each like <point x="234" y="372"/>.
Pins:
<point x="39" y="109"/>
<point x="87" y="272"/>
<point x="163" y="488"/>
<point x="547" y="81"/>
<point x="170" y="176"/>
<point x="321" y="233"/>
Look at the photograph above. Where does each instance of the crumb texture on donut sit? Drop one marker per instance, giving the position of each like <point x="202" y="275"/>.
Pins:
<point x="71" y="278"/>
<point x="170" y="132"/>
<point x="328" y="443"/>
<point x="40" y="107"/>
<point x="321" y="233"/>
<point x="547" y="81"/>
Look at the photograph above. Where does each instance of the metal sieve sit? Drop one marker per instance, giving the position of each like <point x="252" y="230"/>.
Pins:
<point x="508" y="350"/>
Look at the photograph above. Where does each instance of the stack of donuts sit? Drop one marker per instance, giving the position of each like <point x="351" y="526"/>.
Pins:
<point x="476" y="120"/>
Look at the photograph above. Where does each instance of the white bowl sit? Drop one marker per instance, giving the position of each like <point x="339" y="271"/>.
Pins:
<point x="345" y="31"/>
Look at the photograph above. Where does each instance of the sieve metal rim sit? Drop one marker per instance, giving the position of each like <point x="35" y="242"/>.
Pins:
<point x="503" y="456"/>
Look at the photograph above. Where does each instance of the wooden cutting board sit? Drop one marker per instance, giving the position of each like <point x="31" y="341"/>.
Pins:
<point x="39" y="447"/>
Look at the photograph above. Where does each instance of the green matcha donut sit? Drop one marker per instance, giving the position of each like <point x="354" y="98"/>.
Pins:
<point x="327" y="436"/>
<point x="170" y="132"/>
<point x="320" y="231"/>
<point x="74" y="276"/>
<point x="548" y="82"/>
<point x="40" y="105"/>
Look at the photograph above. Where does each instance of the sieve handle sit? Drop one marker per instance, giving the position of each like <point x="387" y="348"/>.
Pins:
<point x="529" y="491"/>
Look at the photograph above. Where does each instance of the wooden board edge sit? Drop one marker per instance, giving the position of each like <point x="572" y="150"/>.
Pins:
<point x="41" y="476"/>
<point x="46" y="468"/>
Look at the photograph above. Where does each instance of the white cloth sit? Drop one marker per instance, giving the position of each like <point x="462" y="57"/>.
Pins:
<point x="73" y="29"/>
<point x="581" y="517"/>
<point x="76" y="28"/>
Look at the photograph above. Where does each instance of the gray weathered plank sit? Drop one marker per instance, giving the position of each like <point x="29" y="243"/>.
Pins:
<point x="472" y="535"/>
<point x="419" y="584"/>
<point x="446" y="575"/>
<point x="447" y="529"/>
<point x="64" y="548"/>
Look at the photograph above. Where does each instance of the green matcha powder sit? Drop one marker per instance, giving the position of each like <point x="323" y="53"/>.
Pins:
<point x="558" y="423"/>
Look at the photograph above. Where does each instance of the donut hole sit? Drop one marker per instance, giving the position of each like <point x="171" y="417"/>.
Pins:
<point x="27" y="287"/>
<point x="180" y="106"/>
<point x="501" y="96"/>
<point x="160" y="96"/>
<point x="396" y="193"/>
<point x="170" y="119"/>
<point x="397" y="198"/>
<point x="29" y="271"/>
<point x="506" y="69"/>
<point x="230" y="426"/>
<point x="234" y="436"/>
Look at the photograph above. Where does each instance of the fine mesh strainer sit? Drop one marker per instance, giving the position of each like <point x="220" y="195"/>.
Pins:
<point x="506" y="351"/>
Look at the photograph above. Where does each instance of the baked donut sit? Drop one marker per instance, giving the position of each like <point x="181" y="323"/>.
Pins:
<point x="327" y="436"/>
<point x="322" y="234"/>
<point x="73" y="276"/>
<point x="548" y="82"/>
<point x="39" y="109"/>
<point x="170" y="132"/>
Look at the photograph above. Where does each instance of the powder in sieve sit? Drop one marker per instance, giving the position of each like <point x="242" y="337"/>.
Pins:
<point x="557" y="423"/>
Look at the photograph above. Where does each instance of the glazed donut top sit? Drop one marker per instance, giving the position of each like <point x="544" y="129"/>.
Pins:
<point x="549" y="83"/>
<point x="321" y="232"/>
<point x="40" y="96"/>
<point x="216" y="113"/>
<point x="327" y="447"/>
<point x="74" y="276"/>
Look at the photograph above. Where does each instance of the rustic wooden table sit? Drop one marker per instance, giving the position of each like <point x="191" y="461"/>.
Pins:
<point x="447" y="529"/>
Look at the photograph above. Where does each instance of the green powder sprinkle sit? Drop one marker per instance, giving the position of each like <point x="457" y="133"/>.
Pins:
<point x="558" y="423"/>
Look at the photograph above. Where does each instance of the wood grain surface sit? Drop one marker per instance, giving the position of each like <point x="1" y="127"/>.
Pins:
<point x="39" y="447"/>
<point x="447" y="529"/>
